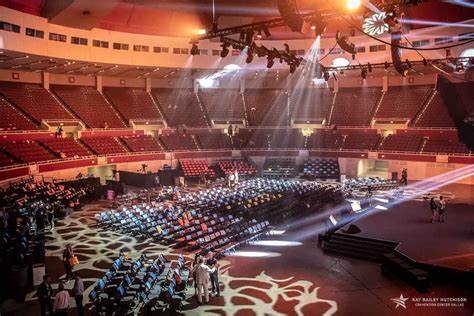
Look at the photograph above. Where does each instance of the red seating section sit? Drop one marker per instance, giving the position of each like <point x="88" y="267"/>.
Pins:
<point x="133" y="103"/>
<point x="196" y="168"/>
<point x="34" y="100"/>
<point x="27" y="151"/>
<point x="104" y="145"/>
<point x="354" y="106"/>
<point x="90" y="105"/>
<point x="267" y="107"/>
<point x="403" y="102"/>
<point x="177" y="141"/>
<point x="242" y="167"/>
<point x="435" y="115"/>
<point x="444" y="146"/>
<point x="309" y="105"/>
<point x="11" y="119"/>
<point x="402" y="142"/>
<point x="67" y="146"/>
<point x="5" y="160"/>
<point x="213" y="139"/>
<point x="141" y="143"/>
<point x="361" y="141"/>
<point x="233" y="110"/>
<point x="180" y="106"/>
<point x="330" y="139"/>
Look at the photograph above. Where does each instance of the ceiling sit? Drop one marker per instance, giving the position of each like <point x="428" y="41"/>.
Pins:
<point x="184" y="17"/>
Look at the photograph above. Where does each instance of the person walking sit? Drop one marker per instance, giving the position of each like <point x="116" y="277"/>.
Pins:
<point x="442" y="209"/>
<point x="202" y="280"/>
<point x="61" y="301"/>
<point x="195" y="263"/>
<point x="78" y="292"/>
<point x="45" y="295"/>
<point x="214" y="276"/>
<point x="68" y="255"/>
<point x="434" y="209"/>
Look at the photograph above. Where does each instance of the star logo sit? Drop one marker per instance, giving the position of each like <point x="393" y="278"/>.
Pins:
<point x="400" y="301"/>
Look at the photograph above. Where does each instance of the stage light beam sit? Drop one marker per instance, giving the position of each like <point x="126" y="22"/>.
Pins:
<point x="352" y="4"/>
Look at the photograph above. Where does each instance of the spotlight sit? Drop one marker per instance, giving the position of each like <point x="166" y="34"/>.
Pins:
<point x="270" y="62"/>
<point x="363" y="73"/>
<point x="259" y="34"/>
<point x="249" y="56"/>
<point x="201" y="32"/>
<point x="225" y="50"/>
<point x="425" y="62"/>
<point x="352" y="4"/>
<point x="194" y="49"/>
<point x="386" y="65"/>
<point x="369" y="66"/>
<point x="317" y="24"/>
<point x="326" y="76"/>
<point x="408" y="64"/>
<point x="292" y="68"/>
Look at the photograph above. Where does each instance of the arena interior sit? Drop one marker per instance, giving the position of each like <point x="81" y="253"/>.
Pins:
<point x="234" y="157"/>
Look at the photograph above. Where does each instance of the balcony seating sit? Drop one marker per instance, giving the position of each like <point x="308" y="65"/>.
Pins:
<point x="403" y="102"/>
<point x="133" y="103"/>
<point x="89" y="105"/>
<point x="287" y="138"/>
<point x="196" y="168"/>
<point x="242" y="167"/>
<point x="310" y="105"/>
<point x="140" y="143"/>
<point x="279" y="168"/>
<point x="233" y="111"/>
<point x="27" y="151"/>
<point x="321" y="168"/>
<point x="36" y="101"/>
<point x="66" y="146"/>
<point x="213" y="139"/>
<point x="445" y="146"/>
<point x="180" y="106"/>
<point x="174" y="140"/>
<point x="12" y="119"/>
<point x="361" y="141"/>
<point x="436" y="114"/>
<point x="354" y="105"/>
<point x="267" y="107"/>
<point x="402" y="142"/>
<point x="325" y="139"/>
<point x="104" y="145"/>
<point x="5" y="160"/>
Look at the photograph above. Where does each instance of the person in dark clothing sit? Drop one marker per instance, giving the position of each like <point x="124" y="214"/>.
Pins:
<point x="212" y="263"/>
<point x="434" y="209"/>
<point x="78" y="292"/>
<point x="45" y="294"/>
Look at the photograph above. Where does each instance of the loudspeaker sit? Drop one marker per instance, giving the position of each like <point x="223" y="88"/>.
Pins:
<point x="290" y="15"/>
<point x="396" y="53"/>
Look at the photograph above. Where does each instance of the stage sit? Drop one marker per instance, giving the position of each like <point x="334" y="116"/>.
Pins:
<point x="449" y="244"/>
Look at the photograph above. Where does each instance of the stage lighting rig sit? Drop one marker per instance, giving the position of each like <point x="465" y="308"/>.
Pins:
<point x="318" y="25"/>
<point x="270" y="62"/>
<point x="289" y="13"/>
<point x="345" y="44"/>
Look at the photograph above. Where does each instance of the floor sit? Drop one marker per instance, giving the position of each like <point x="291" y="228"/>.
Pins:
<point x="287" y="275"/>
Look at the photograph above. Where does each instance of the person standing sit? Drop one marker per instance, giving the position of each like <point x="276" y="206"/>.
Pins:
<point x="61" y="301"/>
<point x="45" y="294"/>
<point x="78" y="292"/>
<point x="434" y="209"/>
<point x="442" y="209"/>
<point x="214" y="276"/>
<point x="202" y="280"/>
<point x="68" y="255"/>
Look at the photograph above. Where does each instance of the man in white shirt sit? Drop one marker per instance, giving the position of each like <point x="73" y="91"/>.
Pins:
<point x="61" y="301"/>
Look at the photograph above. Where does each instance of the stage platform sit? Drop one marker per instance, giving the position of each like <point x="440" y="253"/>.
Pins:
<point x="449" y="244"/>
